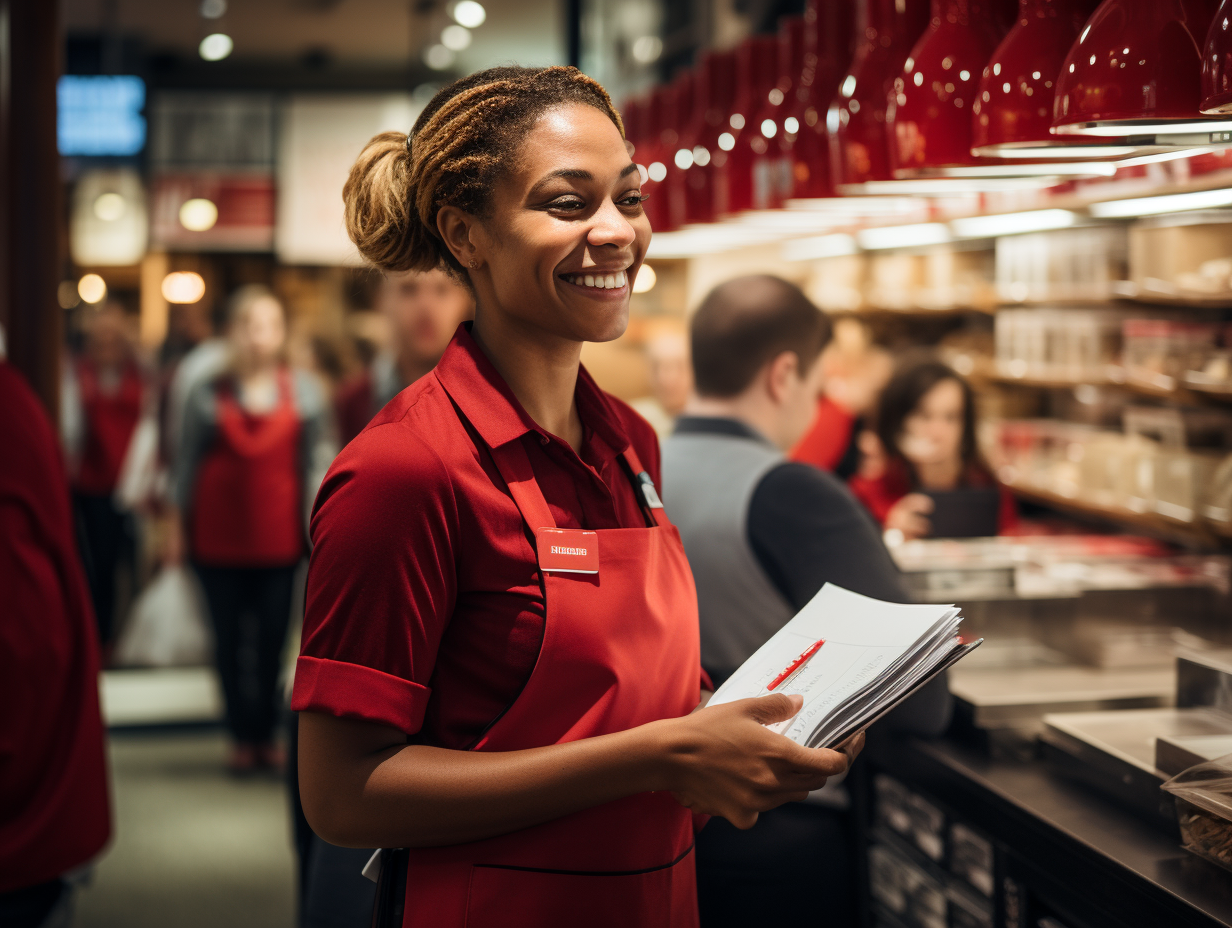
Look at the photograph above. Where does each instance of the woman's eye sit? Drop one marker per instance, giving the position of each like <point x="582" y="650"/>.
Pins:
<point x="633" y="200"/>
<point x="567" y="203"/>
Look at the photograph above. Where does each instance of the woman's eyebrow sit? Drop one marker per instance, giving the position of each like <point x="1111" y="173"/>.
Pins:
<point x="582" y="174"/>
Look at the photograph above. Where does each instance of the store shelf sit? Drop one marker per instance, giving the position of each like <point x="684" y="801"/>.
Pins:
<point x="1189" y="393"/>
<point x="1188" y="534"/>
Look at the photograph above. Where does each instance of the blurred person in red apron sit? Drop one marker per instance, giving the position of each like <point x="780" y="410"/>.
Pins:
<point x="500" y="666"/>
<point x="422" y="310"/>
<point x="254" y="443"/>
<point x="55" y="813"/>
<point x="103" y="396"/>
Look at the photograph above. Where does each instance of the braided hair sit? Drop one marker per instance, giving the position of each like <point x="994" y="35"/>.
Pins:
<point x="462" y="141"/>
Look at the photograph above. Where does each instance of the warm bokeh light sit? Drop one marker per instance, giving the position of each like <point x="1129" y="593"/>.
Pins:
<point x="183" y="287"/>
<point x="109" y="207"/>
<point x="213" y="9"/>
<point x="470" y="14"/>
<point x="66" y="294"/>
<point x="438" y="57"/>
<point x="198" y="214"/>
<point x="645" y="280"/>
<point x="456" y="38"/>
<point x="92" y="288"/>
<point x="216" y="47"/>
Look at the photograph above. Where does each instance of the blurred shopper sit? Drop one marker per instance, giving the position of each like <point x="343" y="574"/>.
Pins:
<point x="256" y="440"/>
<point x="55" y="813"/>
<point x="763" y="535"/>
<point x="854" y="376"/>
<point x="423" y="309"/>
<point x="103" y="396"/>
<point x="671" y="379"/>
<point x="925" y="426"/>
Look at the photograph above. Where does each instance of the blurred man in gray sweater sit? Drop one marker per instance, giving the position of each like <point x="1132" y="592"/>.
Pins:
<point x="763" y="535"/>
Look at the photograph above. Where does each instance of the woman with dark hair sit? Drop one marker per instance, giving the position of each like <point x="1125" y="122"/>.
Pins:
<point x="925" y="425"/>
<point x="500" y="667"/>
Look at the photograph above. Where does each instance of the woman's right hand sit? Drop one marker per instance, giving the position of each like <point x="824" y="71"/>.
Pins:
<point x="910" y="516"/>
<point x="726" y="762"/>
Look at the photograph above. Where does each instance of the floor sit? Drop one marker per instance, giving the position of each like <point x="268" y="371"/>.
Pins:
<point x="194" y="847"/>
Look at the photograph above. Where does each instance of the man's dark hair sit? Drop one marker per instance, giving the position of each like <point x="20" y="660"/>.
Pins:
<point x="744" y="323"/>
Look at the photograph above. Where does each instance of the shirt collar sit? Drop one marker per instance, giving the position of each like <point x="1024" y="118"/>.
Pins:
<point x="489" y="405"/>
<point x="718" y="425"/>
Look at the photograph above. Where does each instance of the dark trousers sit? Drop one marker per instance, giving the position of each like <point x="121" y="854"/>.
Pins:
<point x="106" y="539"/>
<point x="808" y="848"/>
<point x="250" y="608"/>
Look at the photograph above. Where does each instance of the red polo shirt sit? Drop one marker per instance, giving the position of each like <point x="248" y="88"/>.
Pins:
<point x="425" y="609"/>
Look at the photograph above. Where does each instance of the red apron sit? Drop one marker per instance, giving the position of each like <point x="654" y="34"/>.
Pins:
<point x="110" y="420"/>
<point x="620" y="649"/>
<point x="248" y="497"/>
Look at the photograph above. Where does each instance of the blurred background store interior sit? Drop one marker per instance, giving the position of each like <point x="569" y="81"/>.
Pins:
<point x="162" y="154"/>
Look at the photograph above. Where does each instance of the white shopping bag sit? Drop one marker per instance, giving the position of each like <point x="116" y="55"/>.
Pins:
<point x="138" y="481"/>
<point x="167" y="627"/>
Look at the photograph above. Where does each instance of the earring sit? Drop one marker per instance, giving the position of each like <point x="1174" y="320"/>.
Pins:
<point x="474" y="264"/>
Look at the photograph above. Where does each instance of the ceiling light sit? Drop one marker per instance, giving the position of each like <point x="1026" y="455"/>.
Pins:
<point x="438" y="57"/>
<point x="183" y="287"/>
<point x="912" y="236"/>
<point x="456" y="38"/>
<point x="213" y="9"/>
<point x="1152" y="206"/>
<point x="198" y="214"/>
<point x="645" y="279"/>
<point x="470" y="14"/>
<point x="1036" y="220"/>
<point x="216" y="47"/>
<point x="109" y="207"/>
<point x="646" y="49"/>
<point x="92" y="288"/>
<point x="819" y="246"/>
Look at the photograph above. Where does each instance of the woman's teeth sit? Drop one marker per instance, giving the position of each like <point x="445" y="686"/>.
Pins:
<point x="599" y="281"/>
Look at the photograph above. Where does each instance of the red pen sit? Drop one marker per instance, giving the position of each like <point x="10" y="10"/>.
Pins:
<point x="797" y="665"/>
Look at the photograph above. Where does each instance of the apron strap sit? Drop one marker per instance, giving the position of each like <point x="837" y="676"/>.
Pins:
<point x="514" y="465"/>
<point x="643" y="487"/>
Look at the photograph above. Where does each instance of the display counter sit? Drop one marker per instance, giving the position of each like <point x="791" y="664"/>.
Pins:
<point x="1062" y="855"/>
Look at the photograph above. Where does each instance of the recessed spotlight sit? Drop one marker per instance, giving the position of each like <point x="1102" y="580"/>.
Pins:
<point x="198" y="214"/>
<point x="92" y="288"/>
<point x="216" y="47"/>
<point x="456" y="38"/>
<point x="213" y="9"/>
<point x="470" y="14"/>
<point x="438" y="57"/>
<point x="109" y="207"/>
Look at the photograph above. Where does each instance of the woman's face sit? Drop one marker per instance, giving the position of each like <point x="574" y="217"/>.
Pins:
<point x="567" y="232"/>
<point x="933" y="433"/>
<point x="260" y="333"/>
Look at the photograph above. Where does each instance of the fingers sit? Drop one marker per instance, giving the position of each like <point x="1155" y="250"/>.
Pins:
<point x="776" y="707"/>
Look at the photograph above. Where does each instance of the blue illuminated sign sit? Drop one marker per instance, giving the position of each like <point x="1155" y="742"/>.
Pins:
<point x="100" y="115"/>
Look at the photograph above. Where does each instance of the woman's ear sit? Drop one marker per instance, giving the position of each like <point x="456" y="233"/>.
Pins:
<point x="457" y="230"/>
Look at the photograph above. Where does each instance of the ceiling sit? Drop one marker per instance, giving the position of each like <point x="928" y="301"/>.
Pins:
<point x="349" y="33"/>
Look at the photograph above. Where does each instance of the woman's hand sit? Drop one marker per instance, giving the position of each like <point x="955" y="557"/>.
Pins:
<point x="910" y="516"/>
<point x="724" y="761"/>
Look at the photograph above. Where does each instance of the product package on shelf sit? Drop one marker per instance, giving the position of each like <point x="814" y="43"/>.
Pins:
<point x="1204" y="809"/>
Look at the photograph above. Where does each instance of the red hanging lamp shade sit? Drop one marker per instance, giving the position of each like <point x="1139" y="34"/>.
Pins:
<point x="660" y="134"/>
<point x="675" y="186"/>
<point x="828" y="49"/>
<point x="772" y="172"/>
<point x="1014" y="107"/>
<point x="713" y="91"/>
<point x="1136" y="70"/>
<point x="859" y="130"/>
<point x="930" y="109"/>
<point x="756" y="73"/>
<point x="1217" y="63"/>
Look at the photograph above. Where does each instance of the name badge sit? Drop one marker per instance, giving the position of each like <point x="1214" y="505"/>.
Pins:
<point x="567" y="550"/>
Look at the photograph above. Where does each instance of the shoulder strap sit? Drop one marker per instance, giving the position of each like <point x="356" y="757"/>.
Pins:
<point x="514" y="465"/>
<point x="643" y="487"/>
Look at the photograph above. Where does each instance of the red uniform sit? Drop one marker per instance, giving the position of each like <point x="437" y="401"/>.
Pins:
<point x="246" y="509"/>
<point x="110" y="420"/>
<point x="827" y="439"/>
<point x="428" y="611"/>
<point x="354" y="405"/>
<point x="54" y="807"/>
<point x="879" y="494"/>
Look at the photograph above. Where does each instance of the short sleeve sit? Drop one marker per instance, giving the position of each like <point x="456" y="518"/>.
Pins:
<point x="382" y="583"/>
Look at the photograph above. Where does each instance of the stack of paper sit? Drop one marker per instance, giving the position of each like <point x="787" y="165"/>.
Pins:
<point x="852" y="658"/>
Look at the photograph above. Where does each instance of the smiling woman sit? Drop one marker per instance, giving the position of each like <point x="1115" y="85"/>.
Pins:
<point x="500" y="665"/>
